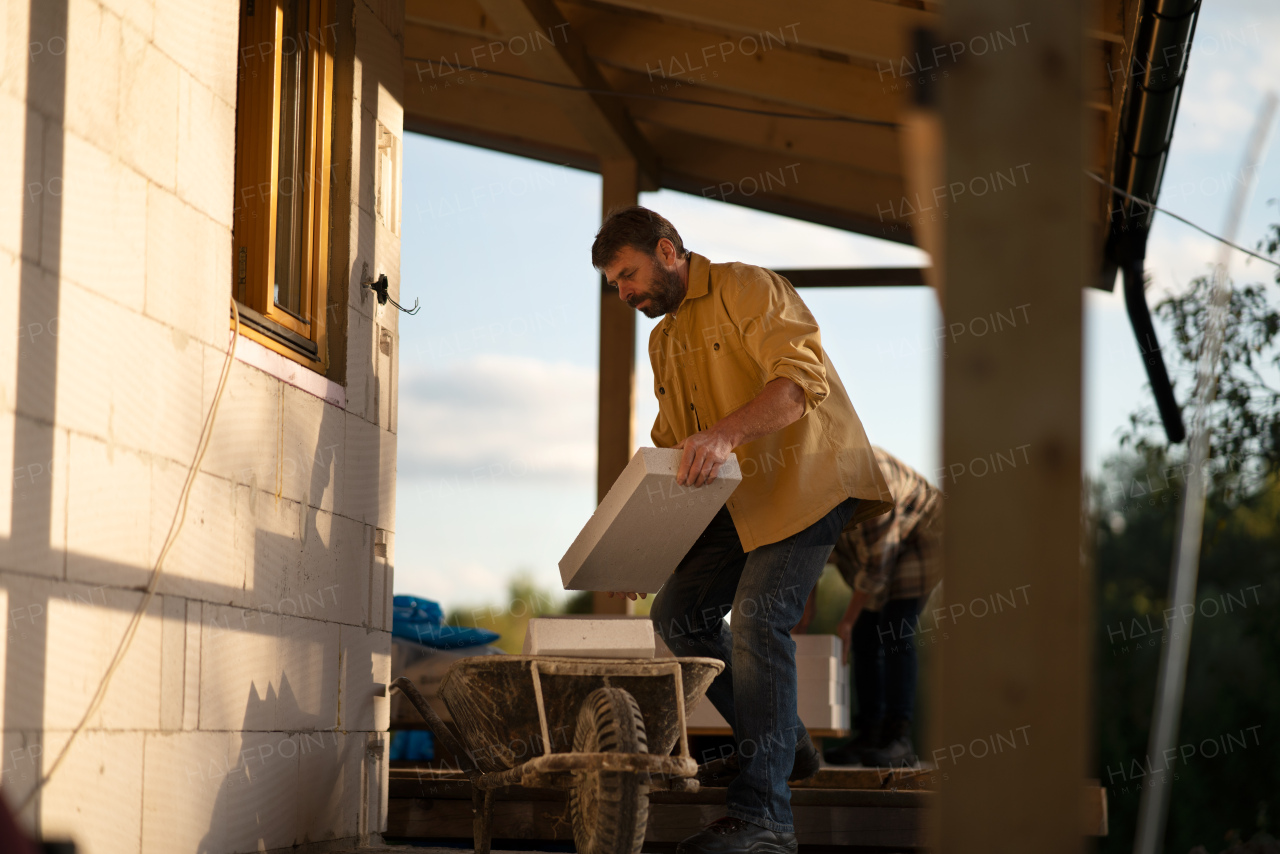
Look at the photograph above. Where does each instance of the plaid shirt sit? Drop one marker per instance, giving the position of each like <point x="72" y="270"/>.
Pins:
<point x="897" y="555"/>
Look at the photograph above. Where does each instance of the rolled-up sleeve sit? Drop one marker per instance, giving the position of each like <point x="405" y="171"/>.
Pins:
<point x="780" y="333"/>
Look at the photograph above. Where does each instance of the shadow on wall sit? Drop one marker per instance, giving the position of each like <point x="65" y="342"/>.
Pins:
<point x="31" y="523"/>
<point x="277" y="789"/>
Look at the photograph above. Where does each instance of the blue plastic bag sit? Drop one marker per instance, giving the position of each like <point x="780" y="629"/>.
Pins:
<point x="413" y="744"/>
<point x="422" y="620"/>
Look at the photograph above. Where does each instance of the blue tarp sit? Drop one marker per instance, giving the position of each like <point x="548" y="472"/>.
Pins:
<point x="413" y="744"/>
<point x="422" y="620"/>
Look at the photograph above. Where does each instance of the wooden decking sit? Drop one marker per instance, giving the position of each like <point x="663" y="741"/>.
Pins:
<point x="849" y="808"/>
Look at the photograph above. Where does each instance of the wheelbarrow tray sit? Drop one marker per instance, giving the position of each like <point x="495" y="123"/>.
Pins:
<point x="511" y="709"/>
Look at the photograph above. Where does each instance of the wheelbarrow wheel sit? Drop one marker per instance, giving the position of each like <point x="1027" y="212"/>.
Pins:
<point x="610" y="809"/>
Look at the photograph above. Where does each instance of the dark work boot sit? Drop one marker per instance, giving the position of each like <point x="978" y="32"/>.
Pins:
<point x="895" y="749"/>
<point x="807" y="761"/>
<point x="735" y="836"/>
<point x="851" y="753"/>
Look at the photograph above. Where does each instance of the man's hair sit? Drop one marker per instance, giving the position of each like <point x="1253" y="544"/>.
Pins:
<point x="636" y="227"/>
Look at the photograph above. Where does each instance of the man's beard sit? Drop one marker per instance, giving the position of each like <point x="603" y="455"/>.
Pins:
<point x="665" y="294"/>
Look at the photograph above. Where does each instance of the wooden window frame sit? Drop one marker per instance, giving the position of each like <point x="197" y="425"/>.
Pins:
<point x="258" y="183"/>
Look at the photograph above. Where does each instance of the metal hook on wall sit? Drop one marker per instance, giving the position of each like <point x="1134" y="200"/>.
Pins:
<point x="380" y="287"/>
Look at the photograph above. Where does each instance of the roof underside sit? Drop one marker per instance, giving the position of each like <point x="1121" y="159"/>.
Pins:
<point x="852" y="59"/>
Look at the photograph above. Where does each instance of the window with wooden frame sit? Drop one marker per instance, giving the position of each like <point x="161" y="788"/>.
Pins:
<point x="284" y="109"/>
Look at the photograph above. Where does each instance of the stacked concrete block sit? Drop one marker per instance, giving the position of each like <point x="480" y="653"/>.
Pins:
<point x="93" y="97"/>
<point x="822" y="683"/>
<point x="13" y="177"/>
<point x="97" y="794"/>
<point x="103" y="254"/>
<point x="108" y="513"/>
<point x="249" y="712"/>
<point x="186" y="245"/>
<point x="590" y="637"/>
<point x="645" y="525"/>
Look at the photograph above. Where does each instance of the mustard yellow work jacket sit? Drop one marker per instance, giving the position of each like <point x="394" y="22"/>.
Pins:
<point x="738" y="328"/>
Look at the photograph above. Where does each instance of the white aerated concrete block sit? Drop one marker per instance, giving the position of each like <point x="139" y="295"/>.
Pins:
<point x="224" y="791"/>
<point x="822" y="684"/>
<point x="266" y="671"/>
<point x="330" y="793"/>
<point x="645" y="525"/>
<point x="365" y="695"/>
<point x="206" y="561"/>
<point x="84" y="627"/>
<point x="203" y="38"/>
<point x="139" y="13"/>
<point x="206" y="154"/>
<point x="184" y="245"/>
<point x="93" y="73"/>
<point x="590" y="637"/>
<point x="108" y="514"/>
<point x="96" y="237"/>
<point x="149" y="98"/>
<point x="313" y="449"/>
<point x="20" y="153"/>
<point x="246" y="435"/>
<point x="185" y="773"/>
<point x="97" y="793"/>
<point x="155" y="406"/>
<point x="173" y="655"/>
<point x="826" y="646"/>
<point x="33" y="533"/>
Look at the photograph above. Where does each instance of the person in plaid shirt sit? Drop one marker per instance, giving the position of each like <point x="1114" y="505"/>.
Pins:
<point x="892" y="562"/>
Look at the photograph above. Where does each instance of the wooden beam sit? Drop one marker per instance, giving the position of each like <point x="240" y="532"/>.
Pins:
<point x="670" y="56"/>
<point x="465" y="17"/>
<point x="866" y="29"/>
<point x="846" y="197"/>
<point x="603" y="120"/>
<point x="868" y="147"/>
<point x="492" y="113"/>
<point x="615" y="434"/>
<point x="1014" y="529"/>
<point x="855" y="277"/>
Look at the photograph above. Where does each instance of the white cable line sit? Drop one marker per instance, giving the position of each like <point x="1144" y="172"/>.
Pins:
<point x="175" y="527"/>
<point x="1153" y="808"/>
<point x="1184" y="220"/>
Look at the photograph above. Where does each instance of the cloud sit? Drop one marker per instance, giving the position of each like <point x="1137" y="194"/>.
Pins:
<point x="1230" y="66"/>
<point x="496" y="417"/>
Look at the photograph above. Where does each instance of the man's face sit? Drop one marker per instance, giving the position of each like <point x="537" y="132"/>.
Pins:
<point x="646" y="282"/>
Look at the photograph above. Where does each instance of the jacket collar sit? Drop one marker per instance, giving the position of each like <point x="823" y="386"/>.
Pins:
<point x="699" y="284"/>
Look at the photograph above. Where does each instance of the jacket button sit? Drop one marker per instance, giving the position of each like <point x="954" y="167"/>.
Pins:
<point x="715" y="346"/>
<point x="661" y="390"/>
<point x="691" y="407"/>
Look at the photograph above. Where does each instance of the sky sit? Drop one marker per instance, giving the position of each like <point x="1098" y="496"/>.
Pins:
<point x="497" y="373"/>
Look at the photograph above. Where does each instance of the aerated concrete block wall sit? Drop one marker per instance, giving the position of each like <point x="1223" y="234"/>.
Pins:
<point x="250" y="712"/>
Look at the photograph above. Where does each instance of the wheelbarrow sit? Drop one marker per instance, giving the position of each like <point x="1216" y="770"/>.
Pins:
<point x="604" y="729"/>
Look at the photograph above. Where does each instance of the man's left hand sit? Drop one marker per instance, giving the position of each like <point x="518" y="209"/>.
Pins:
<point x="704" y="453"/>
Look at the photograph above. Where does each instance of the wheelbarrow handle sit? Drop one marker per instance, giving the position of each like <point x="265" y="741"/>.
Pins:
<point x="437" y="726"/>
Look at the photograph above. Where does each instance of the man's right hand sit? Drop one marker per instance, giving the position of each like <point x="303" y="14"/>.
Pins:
<point x="631" y="596"/>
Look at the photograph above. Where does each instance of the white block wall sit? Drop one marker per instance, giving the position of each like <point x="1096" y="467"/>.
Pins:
<point x="250" y="713"/>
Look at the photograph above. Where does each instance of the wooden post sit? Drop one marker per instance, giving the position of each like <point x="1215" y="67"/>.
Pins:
<point x="617" y="397"/>
<point x="1013" y="673"/>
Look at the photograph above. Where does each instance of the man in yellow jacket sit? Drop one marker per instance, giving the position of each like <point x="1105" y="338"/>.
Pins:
<point x="739" y="368"/>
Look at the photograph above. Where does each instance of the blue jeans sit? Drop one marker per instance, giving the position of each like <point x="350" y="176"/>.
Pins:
<point x="884" y="661"/>
<point x="756" y="692"/>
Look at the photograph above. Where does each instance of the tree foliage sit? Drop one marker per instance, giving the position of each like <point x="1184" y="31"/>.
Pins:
<point x="1226" y="778"/>
<point x="1244" y="419"/>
